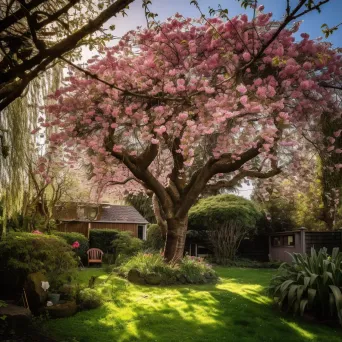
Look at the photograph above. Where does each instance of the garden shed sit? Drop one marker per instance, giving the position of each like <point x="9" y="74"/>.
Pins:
<point x="301" y="241"/>
<point x="82" y="217"/>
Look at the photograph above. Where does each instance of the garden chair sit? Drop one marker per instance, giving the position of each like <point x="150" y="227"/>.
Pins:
<point x="94" y="256"/>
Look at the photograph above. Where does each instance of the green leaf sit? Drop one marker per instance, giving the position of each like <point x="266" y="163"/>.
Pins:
<point x="311" y="295"/>
<point x="337" y="295"/>
<point x="303" y="304"/>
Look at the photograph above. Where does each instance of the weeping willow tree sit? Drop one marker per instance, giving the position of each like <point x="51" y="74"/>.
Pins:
<point x="17" y="143"/>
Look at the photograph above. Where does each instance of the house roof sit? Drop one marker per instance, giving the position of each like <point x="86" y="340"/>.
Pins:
<point x="105" y="213"/>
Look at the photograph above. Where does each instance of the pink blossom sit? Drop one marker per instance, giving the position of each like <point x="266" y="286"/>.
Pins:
<point x="337" y="133"/>
<point x="37" y="232"/>
<point x="246" y="56"/>
<point x="261" y="92"/>
<point x="241" y="88"/>
<point x="35" y="130"/>
<point x="244" y="99"/>
<point x="154" y="141"/>
<point x="306" y="85"/>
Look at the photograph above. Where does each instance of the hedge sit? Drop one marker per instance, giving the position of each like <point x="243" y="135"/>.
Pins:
<point x="70" y="238"/>
<point x="102" y="239"/>
<point x="24" y="253"/>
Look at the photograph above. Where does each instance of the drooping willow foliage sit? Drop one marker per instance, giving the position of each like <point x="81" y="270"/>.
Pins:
<point x="17" y="143"/>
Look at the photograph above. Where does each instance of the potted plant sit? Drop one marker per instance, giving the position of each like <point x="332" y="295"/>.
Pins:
<point x="54" y="293"/>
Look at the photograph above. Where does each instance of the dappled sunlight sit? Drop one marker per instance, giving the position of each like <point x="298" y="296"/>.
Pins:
<point x="306" y="334"/>
<point x="235" y="309"/>
<point x="254" y="293"/>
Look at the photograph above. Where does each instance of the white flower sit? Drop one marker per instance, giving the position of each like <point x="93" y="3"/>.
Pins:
<point x="45" y="285"/>
<point x="49" y="303"/>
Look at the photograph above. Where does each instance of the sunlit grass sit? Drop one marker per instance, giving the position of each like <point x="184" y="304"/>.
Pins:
<point x="235" y="309"/>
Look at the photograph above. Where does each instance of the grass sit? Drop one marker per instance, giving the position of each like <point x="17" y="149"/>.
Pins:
<point x="236" y="309"/>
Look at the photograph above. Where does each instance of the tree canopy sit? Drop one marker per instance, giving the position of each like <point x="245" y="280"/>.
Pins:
<point x="35" y="34"/>
<point x="191" y="104"/>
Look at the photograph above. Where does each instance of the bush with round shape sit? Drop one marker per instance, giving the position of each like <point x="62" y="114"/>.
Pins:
<point x="312" y="284"/>
<point x="226" y="219"/>
<point x="71" y="238"/>
<point x="89" y="299"/>
<point x="24" y="253"/>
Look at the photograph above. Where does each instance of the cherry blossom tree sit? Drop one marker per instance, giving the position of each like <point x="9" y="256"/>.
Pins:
<point x="194" y="104"/>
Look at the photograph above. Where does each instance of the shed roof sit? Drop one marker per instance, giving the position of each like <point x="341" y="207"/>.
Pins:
<point x="105" y="213"/>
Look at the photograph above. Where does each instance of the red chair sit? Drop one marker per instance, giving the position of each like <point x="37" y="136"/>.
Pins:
<point x="94" y="256"/>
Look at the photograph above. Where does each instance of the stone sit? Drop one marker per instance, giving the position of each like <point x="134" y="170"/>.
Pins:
<point x="153" y="278"/>
<point x="135" y="277"/>
<point x="17" y="318"/>
<point x="36" y="296"/>
<point x="66" y="309"/>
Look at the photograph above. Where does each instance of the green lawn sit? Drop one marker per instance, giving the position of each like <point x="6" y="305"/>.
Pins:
<point x="236" y="309"/>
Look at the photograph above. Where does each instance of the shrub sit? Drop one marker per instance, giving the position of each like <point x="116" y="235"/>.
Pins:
<point x="154" y="240"/>
<point x="190" y="269"/>
<point x="144" y="263"/>
<point x="126" y="245"/>
<point x="102" y="239"/>
<point x="311" y="283"/>
<point x="70" y="238"/>
<point x="227" y="219"/>
<point x="24" y="253"/>
<point x="89" y="299"/>
<point x="195" y="270"/>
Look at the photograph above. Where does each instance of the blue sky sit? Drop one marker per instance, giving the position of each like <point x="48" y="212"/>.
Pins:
<point x="331" y="14"/>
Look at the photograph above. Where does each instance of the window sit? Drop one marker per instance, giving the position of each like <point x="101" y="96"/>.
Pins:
<point x="285" y="241"/>
<point x="141" y="232"/>
<point x="289" y="240"/>
<point x="277" y="241"/>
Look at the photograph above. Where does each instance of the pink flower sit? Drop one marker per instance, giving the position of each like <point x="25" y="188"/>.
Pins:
<point x="241" y="88"/>
<point x="154" y="141"/>
<point x="35" y="130"/>
<point x="244" y="99"/>
<point x="261" y="92"/>
<point x="37" y="232"/>
<point x="76" y="244"/>
<point x="246" y="56"/>
<point x="305" y="35"/>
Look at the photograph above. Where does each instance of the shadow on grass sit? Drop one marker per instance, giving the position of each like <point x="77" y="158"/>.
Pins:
<point x="236" y="309"/>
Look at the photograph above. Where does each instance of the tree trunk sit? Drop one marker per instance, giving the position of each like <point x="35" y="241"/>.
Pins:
<point x="4" y="222"/>
<point x="175" y="239"/>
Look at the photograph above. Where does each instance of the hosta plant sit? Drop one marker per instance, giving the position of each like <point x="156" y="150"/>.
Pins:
<point x="312" y="284"/>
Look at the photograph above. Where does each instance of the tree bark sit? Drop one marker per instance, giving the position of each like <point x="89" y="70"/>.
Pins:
<point x="175" y="239"/>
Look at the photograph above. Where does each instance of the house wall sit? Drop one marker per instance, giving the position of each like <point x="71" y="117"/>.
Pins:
<point x="280" y="253"/>
<point x="75" y="227"/>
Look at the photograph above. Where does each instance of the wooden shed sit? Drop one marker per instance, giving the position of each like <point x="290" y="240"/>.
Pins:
<point x="82" y="217"/>
<point x="301" y="241"/>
